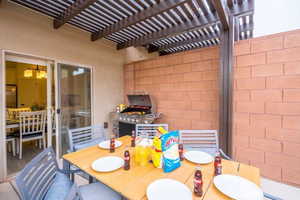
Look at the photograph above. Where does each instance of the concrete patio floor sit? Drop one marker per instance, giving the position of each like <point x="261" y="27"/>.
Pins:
<point x="283" y="191"/>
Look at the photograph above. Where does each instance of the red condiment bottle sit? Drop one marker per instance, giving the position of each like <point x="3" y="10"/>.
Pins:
<point x="198" y="183"/>
<point x="112" y="145"/>
<point x="127" y="160"/>
<point x="180" y="149"/>
<point x="218" y="164"/>
<point x="218" y="169"/>
<point x="133" y="139"/>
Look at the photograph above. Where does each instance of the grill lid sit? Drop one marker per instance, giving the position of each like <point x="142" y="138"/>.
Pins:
<point x="138" y="103"/>
<point x="139" y="100"/>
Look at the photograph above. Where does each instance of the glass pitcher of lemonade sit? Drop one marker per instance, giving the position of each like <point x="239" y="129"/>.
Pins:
<point x="142" y="152"/>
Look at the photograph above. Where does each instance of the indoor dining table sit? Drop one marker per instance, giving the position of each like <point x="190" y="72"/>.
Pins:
<point x="12" y="124"/>
<point x="133" y="183"/>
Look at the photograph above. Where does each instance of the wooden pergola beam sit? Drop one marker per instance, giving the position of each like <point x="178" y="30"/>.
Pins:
<point x="73" y="10"/>
<point x="222" y="11"/>
<point x="190" y="41"/>
<point x="140" y="16"/>
<point x="188" y="26"/>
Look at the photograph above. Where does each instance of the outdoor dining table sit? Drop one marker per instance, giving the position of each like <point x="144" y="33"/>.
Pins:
<point x="133" y="183"/>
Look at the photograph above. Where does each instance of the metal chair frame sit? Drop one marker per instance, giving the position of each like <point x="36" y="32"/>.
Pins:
<point x="148" y="130"/>
<point x="208" y="139"/>
<point x="84" y="135"/>
<point x="37" y="176"/>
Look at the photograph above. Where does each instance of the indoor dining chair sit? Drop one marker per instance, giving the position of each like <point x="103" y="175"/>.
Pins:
<point x="10" y="139"/>
<point x="14" y="113"/>
<point x="42" y="179"/>
<point x="32" y="127"/>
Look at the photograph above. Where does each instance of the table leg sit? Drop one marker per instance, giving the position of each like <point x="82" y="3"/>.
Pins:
<point x="91" y="179"/>
<point x="67" y="168"/>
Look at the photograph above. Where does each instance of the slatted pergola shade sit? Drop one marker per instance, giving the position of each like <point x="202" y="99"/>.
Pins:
<point x="167" y="26"/>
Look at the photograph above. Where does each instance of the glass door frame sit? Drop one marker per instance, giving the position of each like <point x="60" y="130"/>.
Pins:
<point x="3" y="157"/>
<point x="57" y="76"/>
<point x="26" y="58"/>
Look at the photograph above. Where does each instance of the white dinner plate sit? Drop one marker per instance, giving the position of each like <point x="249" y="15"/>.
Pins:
<point x="106" y="144"/>
<point x="107" y="164"/>
<point x="237" y="187"/>
<point x="163" y="189"/>
<point x="198" y="157"/>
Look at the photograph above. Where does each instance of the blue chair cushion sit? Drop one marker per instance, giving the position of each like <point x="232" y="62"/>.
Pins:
<point x="87" y="144"/>
<point x="60" y="188"/>
<point x="98" y="191"/>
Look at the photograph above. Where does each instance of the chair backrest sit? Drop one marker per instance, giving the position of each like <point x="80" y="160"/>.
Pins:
<point x="148" y="130"/>
<point x="74" y="193"/>
<point x="204" y="140"/>
<point x="37" y="176"/>
<point x="32" y="122"/>
<point x="85" y="134"/>
<point x="14" y="113"/>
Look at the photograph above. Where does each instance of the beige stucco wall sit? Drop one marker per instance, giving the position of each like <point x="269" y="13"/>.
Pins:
<point x="133" y="54"/>
<point x="29" y="32"/>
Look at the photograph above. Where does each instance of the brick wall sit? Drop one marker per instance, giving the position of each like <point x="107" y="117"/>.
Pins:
<point x="266" y="98"/>
<point x="267" y="105"/>
<point x="184" y="86"/>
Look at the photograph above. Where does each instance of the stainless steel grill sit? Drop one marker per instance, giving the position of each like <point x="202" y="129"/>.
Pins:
<point x="141" y="110"/>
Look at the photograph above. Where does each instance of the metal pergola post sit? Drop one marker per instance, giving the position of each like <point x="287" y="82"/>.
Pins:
<point x="226" y="85"/>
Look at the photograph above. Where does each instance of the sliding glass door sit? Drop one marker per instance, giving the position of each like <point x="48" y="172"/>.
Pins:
<point x="73" y="101"/>
<point x="3" y="169"/>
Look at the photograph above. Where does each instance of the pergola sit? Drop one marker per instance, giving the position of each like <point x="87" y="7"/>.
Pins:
<point x="164" y="26"/>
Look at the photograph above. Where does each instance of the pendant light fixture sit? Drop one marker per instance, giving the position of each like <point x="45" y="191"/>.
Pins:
<point x="28" y="73"/>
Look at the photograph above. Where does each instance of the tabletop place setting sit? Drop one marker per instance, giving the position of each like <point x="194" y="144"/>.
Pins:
<point x="165" y="151"/>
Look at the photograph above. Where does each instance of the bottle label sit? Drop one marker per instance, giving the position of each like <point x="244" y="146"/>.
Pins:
<point x="197" y="181"/>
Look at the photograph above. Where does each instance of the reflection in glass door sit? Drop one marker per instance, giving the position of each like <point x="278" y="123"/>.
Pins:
<point x="73" y="101"/>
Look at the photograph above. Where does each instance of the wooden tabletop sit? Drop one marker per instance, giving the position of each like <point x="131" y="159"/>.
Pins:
<point x="133" y="183"/>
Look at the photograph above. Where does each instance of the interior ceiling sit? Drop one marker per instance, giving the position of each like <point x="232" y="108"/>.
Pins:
<point x="166" y="26"/>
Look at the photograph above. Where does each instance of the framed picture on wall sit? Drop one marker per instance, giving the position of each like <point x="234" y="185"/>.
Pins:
<point x="11" y="96"/>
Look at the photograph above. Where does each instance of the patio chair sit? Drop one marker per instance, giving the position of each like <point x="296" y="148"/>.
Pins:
<point x="85" y="192"/>
<point x="81" y="138"/>
<point x="207" y="141"/>
<point x="32" y="127"/>
<point x="269" y="196"/>
<point x="85" y="137"/>
<point x="204" y="140"/>
<point x="42" y="179"/>
<point x="148" y="130"/>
